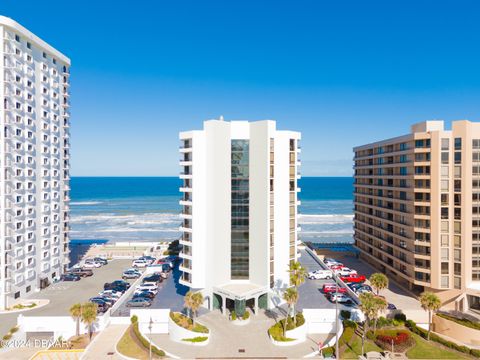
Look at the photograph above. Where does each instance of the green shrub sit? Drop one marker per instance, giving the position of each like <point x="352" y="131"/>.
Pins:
<point x="276" y="332"/>
<point x="401" y="317"/>
<point x="475" y="353"/>
<point x="196" y="339"/>
<point x="7" y="337"/>
<point x="134" y="319"/>
<point x="345" y="314"/>
<point x="13" y="330"/>
<point x="347" y="335"/>
<point x="328" y="351"/>
<point x="383" y="321"/>
<point x="234" y="315"/>
<point x="145" y="343"/>
<point x="187" y="323"/>
<point x="246" y="315"/>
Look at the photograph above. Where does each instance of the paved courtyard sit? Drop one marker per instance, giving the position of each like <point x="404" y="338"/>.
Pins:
<point x="235" y="341"/>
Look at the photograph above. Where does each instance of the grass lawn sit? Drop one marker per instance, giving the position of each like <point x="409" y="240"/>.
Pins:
<point x="355" y="348"/>
<point x="431" y="350"/>
<point x="129" y="346"/>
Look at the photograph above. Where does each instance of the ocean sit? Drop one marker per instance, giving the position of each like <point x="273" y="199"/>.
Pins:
<point x="147" y="209"/>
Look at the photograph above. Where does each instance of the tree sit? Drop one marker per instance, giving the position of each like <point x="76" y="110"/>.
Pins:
<point x="379" y="281"/>
<point x="430" y="302"/>
<point x="290" y="295"/>
<point x="76" y="313"/>
<point x="193" y="301"/>
<point x="298" y="273"/>
<point x="89" y="316"/>
<point x="371" y="305"/>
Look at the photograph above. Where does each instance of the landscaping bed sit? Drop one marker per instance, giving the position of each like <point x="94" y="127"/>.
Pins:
<point x="276" y="331"/>
<point x="130" y="346"/>
<point x="462" y="321"/>
<point x="187" y="323"/>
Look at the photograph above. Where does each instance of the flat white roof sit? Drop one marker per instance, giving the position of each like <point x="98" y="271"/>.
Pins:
<point x="240" y="289"/>
<point x="12" y="24"/>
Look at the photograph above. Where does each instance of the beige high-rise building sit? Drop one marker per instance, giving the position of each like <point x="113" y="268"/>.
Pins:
<point x="417" y="210"/>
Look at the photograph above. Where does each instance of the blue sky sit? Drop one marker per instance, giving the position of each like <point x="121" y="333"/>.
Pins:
<point x="343" y="73"/>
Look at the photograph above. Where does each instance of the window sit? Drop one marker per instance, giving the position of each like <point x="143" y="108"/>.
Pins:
<point x="29" y="45"/>
<point x="444" y="226"/>
<point x="444" y="157"/>
<point x="444" y="282"/>
<point x="444" y="267"/>
<point x="444" y="185"/>
<point x="444" y="254"/>
<point x="444" y="213"/>
<point x="457" y="255"/>
<point x="457" y="227"/>
<point x="457" y="282"/>
<point x="457" y="241"/>
<point x="44" y="55"/>
<point x="458" y="157"/>
<point x="17" y="38"/>
<point x="444" y="240"/>
<point x="444" y="199"/>
<point x="445" y="171"/>
<point x="458" y="143"/>
<point x="445" y="143"/>
<point x="457" y="171"/>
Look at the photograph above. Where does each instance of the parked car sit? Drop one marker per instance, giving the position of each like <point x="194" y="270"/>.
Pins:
<point x="334" y="267"/>
<point x="139" y="263"/>
<point x="354" y="278"/>
<point x="149" y="286"/>
<point x="145" y="294"/>
<point x="130" y="275"/>
<point x="147" y="258"/>
<point x="95" y="263"/>
<point x="70" y="277"/>
<point x="89" y="266"/>
<point x="101" y="260"/>
<point x="135" y="270"/>
<point x="102" y="305"/>
<point x="391" y="307"/>
<point x="329" y="288"/>
<point x="139" y="302"/>
<point x="345" y="271"/>
<point x="320" y="274"/>
<point x="340" y="298"/>
<point x="81" y="272"/>
<point x="111" y="293"/>
<point x="116" y="284"/>
<point x="108" y="301"/>
<point x="157" y="278"/>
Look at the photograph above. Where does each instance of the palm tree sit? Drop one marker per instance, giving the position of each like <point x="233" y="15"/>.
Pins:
<point x="430" y="302"/>
<point x="89" y="316"/>
<point x="379" y="281"/>
<point x="381" y="305"/>
<point x="76" y="313"/>
<point x="193" y="301"/>
<point x="298" y="273"/>
<point x="290" y="295"/>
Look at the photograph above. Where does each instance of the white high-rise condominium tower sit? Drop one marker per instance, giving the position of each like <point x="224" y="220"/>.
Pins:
<point x="239" y="217"/>
<point x="34" y="162"/>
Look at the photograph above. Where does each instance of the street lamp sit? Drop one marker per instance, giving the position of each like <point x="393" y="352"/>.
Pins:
<point x="336" y="317"/>
<point x="150" y="325"/>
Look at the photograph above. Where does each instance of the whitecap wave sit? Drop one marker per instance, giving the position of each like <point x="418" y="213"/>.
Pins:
<point x="85" y="203"/>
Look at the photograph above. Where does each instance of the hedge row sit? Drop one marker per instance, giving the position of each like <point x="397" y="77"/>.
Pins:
<point x="461" y="321"/>
<point x="145" y="343"/>
<point x="449" y="344"/>
<point x="276" y="331"/>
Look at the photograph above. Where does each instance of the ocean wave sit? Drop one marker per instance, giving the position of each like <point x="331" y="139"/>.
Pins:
<point x="78" y="203"/>
<point x="325" y="219"/>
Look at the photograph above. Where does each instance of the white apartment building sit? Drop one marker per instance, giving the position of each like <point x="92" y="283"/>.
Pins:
<point x="239" y="217"/>
<point x="34" y="162"/>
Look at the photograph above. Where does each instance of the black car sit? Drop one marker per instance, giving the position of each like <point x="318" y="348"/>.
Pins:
<point x="117" y="284"/>
<point x="70" y="277"/>
<point x="108" y="301"/>
<point x="144" y="294"/>
<point x="153" y="278"/>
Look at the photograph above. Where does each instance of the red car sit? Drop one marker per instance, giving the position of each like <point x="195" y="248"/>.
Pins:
<point x="336" y="267"/>
<point x="354" y="278"/>
<point x="330" y="288"/>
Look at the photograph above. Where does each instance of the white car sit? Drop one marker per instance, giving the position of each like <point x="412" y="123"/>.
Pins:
<point x="150" y="286"/>
<point x="331" y="262"/>
<point x="110" y="293"/>
<point x="340" y="298"/>
<point x="139" y="263"/>
<point x="89" y="265"/>
<point x="320" y="275"/>
<point x="345" y="271"/>
<point x="93" y="262"/>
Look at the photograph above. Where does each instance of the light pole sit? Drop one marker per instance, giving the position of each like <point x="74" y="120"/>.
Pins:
<point x="150" y="325"/>
<point x="336" y="316"/>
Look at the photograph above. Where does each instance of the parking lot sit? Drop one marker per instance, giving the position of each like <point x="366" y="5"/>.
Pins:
<point x="311" y="295"/>
<point x="170" y="295"/>
<point x="64" y="294"/>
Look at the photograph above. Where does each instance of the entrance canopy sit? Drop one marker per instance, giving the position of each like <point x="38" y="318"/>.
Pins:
<point x="240" y="291"/>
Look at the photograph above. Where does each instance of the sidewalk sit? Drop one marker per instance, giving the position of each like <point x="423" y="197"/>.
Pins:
<point x="104" y="344"/>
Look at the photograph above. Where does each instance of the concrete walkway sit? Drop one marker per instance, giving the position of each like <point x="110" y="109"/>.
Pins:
<point x="235" y="341"/>
<point x="104" y="344"/>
